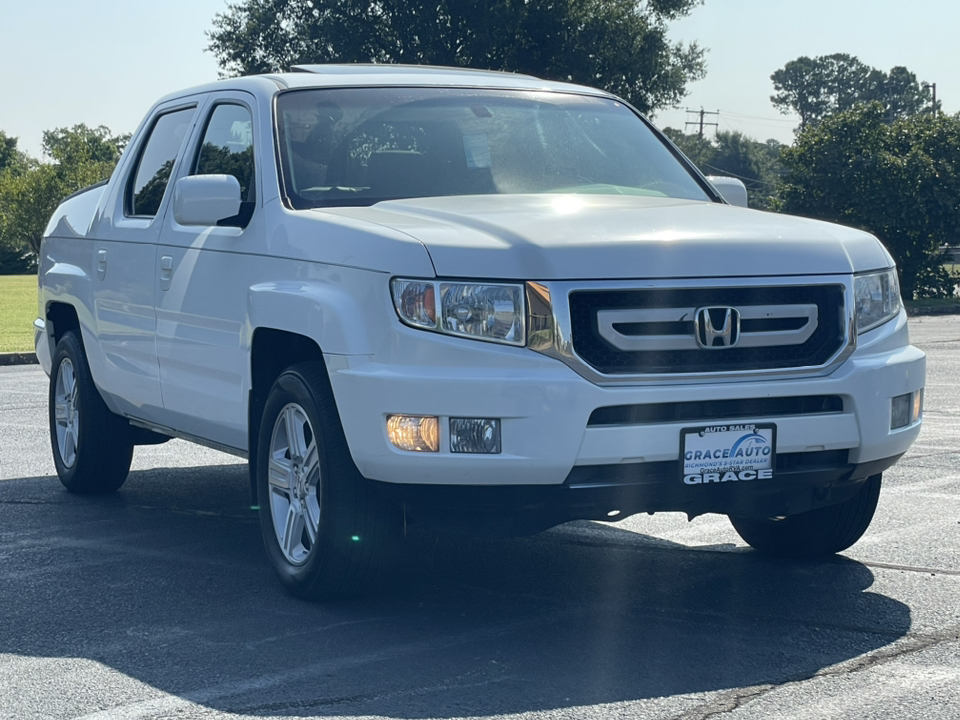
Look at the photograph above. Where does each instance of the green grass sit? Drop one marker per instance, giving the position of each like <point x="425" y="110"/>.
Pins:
<point x="18" y="310"/>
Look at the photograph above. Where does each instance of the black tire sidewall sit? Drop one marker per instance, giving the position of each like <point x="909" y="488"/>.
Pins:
<point x="302" y="580"/>
<point x="67" y="349"/>
<point x="816" y="533"/>
<point x="104" y="446"/>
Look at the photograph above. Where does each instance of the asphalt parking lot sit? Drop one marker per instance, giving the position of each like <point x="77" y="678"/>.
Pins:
<point x="157" y="602"/>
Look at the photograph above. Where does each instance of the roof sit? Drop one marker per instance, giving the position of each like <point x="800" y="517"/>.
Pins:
<point x="383" y="74"/>
<point x="395" y="68"/>
<point x="360" y="74"/>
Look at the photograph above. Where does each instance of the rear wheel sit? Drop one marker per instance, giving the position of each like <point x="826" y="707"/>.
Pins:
<point x="816" y="533"/>
<point x="92" y="447"/>
<point x="323" y="527"/>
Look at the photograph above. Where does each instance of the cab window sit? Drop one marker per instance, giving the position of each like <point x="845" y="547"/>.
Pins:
<point x="156" y="162"/>
<point x="227" y="147"/>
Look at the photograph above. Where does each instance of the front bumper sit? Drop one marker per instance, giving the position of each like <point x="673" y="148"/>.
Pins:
<point x="41" y="343"/>
<point x="545" y="409"/>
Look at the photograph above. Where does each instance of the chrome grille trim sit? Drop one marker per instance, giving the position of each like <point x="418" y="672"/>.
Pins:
<point x="607" y="320"/>
<point x="558" y="341"/>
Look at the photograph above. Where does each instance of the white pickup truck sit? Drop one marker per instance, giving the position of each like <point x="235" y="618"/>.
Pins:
<point x="473" y="301"/>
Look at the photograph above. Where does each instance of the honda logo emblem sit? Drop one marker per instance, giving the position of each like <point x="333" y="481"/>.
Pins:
<point x="717" y="327"/>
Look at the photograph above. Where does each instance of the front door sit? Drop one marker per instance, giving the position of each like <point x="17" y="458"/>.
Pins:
<point x="200" y="290"/>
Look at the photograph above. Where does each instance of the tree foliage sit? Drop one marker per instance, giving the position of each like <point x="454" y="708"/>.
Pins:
<point x="734" y="154"/>
<point x="12" y="159"/>
<point x="78" y="157"/>
<point x="815" y="88"/>
<point x="619" y="45"/>
<point x="900" y="182"/>
<point x="13" y="163"/>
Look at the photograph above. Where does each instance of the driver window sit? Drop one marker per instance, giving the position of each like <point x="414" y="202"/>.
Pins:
<point x="227" y="147"/>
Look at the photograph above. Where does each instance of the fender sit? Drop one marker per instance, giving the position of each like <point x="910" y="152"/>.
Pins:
<point x="344" y="310"/>
<point x="65" y="280"/>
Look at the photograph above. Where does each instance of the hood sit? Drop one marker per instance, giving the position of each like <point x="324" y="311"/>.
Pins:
<point x="592" y="237"/>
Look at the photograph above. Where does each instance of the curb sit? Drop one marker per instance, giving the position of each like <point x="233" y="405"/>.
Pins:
<point x="18" y="358"/>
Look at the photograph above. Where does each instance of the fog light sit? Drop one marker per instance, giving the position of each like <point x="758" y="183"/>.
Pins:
<point x="415" y="433"/>
<point x="917" y="406"/>
<point x="475" y="435"/>
<point x="900" y="408"/>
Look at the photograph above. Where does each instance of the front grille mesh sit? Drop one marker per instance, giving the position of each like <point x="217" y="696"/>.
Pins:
<point x="705" y="411"/>
<point x="825" y="342"/>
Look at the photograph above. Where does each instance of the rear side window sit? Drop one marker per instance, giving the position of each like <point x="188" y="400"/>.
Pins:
<point x="227" y="147"/>
<point x="156" y="162"/>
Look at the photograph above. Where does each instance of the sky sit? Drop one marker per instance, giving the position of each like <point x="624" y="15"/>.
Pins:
<point x="105" y="62"/>
<point x="748" y="40"/>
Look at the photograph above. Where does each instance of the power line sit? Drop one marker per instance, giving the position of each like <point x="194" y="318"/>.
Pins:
<point x="758" y="117"/>
<point x="740" y="123"/>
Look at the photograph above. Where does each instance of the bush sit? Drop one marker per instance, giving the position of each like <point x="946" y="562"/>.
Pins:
<point x="16" y="262"/>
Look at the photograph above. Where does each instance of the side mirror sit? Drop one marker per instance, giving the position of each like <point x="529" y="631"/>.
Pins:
<point x="206" y="199"/>
<point x="730" y="189"/>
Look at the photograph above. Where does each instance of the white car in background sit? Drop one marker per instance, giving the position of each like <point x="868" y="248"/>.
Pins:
<point x="473" y="301"/>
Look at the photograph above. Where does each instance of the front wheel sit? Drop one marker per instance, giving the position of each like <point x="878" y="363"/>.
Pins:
<point x="323" y="527"/>
<point x="815" y="533"/>
<point x="92" y="447"/>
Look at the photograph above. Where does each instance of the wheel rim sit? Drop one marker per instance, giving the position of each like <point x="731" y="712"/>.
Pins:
<point x="294" y="481"/>
<point x="67" y="413"/>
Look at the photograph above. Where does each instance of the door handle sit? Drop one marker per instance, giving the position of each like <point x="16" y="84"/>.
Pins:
<point x="166" y="271"/>
<point x="101" y="264"/>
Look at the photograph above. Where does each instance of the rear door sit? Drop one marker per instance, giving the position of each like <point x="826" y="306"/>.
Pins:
<point x="124" y="255"/>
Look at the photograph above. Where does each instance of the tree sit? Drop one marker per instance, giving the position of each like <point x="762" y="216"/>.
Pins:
<point x="619" y="45"/>
<point x="814" y="88"/>
<point x="82" y="145"/>
<point x="13" y="163"/>
<point x="734" y="154"/>
<point x="12" y="159"/>
<point x="698" y="148"/>
<point x="80" y="156"/>
<point x="900" y="93"/>
<point x="900" y="182"/>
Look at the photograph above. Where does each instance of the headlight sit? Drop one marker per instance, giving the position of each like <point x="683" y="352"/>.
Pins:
<point x="878" y="298"/>
<point x="485" y="311"/>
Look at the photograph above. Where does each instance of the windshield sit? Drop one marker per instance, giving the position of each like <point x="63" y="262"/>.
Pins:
<point x="359" y="146"/>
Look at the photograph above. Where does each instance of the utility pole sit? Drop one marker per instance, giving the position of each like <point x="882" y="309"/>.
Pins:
<point x="701" y="112"/>
<point x="933" y="86"/>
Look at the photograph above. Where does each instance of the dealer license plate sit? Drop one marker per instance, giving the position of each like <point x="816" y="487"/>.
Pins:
<point x="736" y="452"/>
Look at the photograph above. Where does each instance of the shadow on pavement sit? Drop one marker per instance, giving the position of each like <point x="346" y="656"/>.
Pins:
<point x="166" y="583"/>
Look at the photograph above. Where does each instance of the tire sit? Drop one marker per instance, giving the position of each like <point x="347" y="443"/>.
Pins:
<point x="92" y="447"/>
<point x="817" y="533"/>
<point x="323" y="527"/>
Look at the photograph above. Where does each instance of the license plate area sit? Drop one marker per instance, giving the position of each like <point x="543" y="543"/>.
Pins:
<point x="735" y="452"/>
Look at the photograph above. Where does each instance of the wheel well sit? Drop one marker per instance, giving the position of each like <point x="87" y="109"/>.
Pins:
<point x="271" y="352"/>
<point x="64" y="318"/>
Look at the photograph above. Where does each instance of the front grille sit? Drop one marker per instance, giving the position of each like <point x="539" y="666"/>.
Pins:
<point x="822" y="304"/>
<point x="710" y="410"/>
